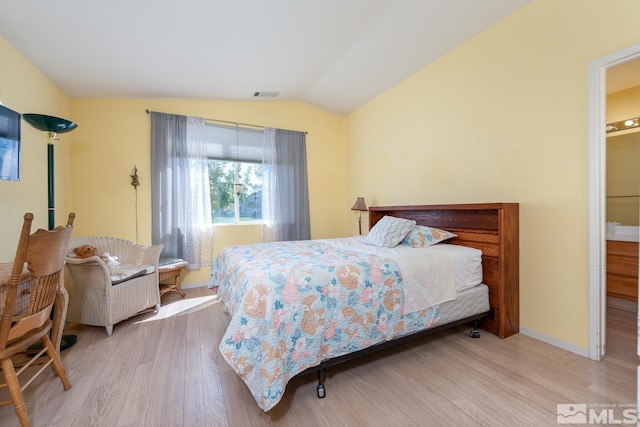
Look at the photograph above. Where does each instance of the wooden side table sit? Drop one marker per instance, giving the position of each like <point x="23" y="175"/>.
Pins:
<point x="170" y="269"/>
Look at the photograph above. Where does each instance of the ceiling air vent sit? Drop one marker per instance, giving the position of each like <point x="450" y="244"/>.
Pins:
<point x="265" y="94"/>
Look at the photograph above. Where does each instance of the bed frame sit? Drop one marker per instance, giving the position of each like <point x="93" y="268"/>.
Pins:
<point x="492" y="228"/>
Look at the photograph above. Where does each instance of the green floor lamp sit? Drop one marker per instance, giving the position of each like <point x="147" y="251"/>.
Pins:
<point x="52" y="126"/>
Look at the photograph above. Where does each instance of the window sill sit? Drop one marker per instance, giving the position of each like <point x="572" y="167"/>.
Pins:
<point x="236" y="224"/>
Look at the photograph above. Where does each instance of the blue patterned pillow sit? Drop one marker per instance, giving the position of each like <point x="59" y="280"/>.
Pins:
<point x="389" y="231"/>
<point x="422" y="236"/>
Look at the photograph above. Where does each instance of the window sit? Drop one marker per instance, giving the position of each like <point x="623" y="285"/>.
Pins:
<point x="226" y="206"/>
<point x="235" y="155"/>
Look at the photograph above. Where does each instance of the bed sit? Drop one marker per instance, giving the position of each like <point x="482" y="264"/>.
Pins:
<point x="301" y="307"/>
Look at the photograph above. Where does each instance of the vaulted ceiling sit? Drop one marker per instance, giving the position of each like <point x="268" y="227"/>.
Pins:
<point x="333" y="54"/>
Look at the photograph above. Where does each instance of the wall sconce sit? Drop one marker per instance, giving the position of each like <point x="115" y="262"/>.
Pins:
<point x="135" y="182"/>
<point x="623" y="125"/>
<point x="52" y="126"/>
<point x="359" y="206"/>
<point x="134" y="178"/>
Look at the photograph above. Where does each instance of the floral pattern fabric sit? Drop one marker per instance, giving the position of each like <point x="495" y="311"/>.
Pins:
<point x="295" y="304"/>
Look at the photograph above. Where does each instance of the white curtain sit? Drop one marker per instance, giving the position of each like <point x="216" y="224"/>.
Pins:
<point x="271" y="229"/>
<point x="180" y="196"/>
<point x="285" y="195"/>
<point x="198" y="199"/>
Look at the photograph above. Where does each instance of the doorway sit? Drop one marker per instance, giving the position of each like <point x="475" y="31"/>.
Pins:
<point x="597" y="196"/>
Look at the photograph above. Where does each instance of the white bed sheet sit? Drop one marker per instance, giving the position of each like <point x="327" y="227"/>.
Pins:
<point x="467" y="264"/>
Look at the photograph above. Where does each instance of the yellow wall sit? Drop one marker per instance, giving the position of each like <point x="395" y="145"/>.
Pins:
<point x="622" y="105"/>
<point x="504" y="118"/>
<point x="623" y="159"/>
<point x="25" y="89"/>
<point x="113" y="136"/>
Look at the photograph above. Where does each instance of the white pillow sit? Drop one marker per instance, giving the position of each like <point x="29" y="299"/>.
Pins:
<point x="389" y="231"/>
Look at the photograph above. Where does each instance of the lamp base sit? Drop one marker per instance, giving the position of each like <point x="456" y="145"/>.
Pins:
<point x="65" y="342"/>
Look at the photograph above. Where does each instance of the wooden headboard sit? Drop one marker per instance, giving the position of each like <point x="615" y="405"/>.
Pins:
<point x="492" y="228"/>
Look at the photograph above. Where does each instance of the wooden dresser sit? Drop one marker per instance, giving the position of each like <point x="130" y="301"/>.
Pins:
<point x="622" y="269"/>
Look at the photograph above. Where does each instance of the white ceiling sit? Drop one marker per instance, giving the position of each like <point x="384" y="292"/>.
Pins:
<point x="333" y="54"/>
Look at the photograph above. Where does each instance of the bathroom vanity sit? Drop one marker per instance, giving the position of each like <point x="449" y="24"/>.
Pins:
<point x="622" y="262"/>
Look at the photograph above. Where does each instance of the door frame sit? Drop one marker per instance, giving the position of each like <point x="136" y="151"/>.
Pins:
<point x="597" y="195"/>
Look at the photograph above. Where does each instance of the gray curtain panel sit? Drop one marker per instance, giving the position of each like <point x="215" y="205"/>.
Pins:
<point x="180" y="197"/>
<point x="285" y="191"/>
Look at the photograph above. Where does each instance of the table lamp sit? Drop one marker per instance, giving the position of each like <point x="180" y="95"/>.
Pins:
<point x="359" y="206"/>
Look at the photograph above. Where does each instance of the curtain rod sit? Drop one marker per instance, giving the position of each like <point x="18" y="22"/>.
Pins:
<point x="230" y="122"/>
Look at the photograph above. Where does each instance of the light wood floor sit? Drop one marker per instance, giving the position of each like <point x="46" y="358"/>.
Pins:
<point x="164" y="369"/>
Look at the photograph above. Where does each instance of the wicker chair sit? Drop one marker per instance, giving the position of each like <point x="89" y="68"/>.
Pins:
<point x="94" y="299"/>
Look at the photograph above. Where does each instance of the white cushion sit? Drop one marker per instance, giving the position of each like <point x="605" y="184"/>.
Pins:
<point x="126" y="272"/>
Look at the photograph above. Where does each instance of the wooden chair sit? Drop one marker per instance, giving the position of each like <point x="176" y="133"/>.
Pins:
<point x="40" y="259"/>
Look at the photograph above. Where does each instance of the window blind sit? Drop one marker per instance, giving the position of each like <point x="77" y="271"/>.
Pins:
<point x="234" y="144"/>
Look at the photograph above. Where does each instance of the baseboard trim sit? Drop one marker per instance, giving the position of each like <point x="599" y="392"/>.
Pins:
<point x="194" y="285"/>
<point x="584" y="352"/>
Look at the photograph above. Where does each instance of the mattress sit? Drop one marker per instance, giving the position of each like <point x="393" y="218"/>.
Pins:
<point x="469" y="302"/>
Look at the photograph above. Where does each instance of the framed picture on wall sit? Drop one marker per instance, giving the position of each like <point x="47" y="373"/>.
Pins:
<point x="9" y="144"/>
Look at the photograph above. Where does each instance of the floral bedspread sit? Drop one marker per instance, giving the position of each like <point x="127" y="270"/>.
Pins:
<point x="294" y="304"/>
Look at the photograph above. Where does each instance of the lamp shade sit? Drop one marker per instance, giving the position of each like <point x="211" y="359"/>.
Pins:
<point x="359" y="205"/>
<point x="49" y="123"/>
